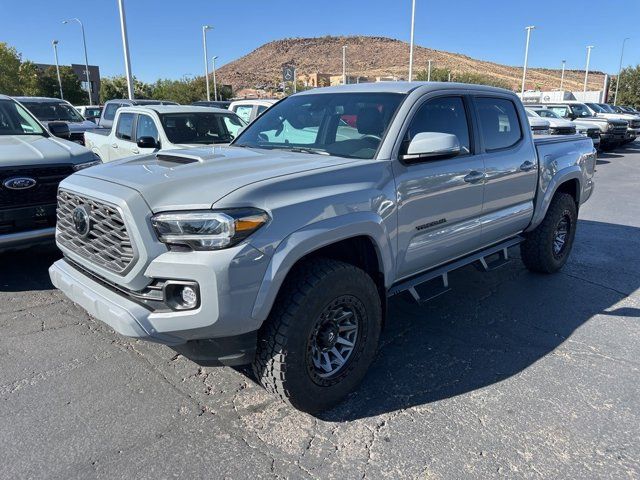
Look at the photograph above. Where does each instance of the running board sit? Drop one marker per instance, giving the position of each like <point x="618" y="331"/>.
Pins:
<point x="440" y="274"/>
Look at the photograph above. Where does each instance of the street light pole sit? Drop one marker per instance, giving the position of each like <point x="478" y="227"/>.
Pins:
<point x="215" y="84"/>
<point x="586" y="70"/>
<point x="615" y="97"/>
<point x="86" y="61"/>
<point x="413" y="21"/>
<point x="55" y="54"/>
<point x="125" y="47"/>
<point x="429" y="72"/>
<point x="206" y="57"/>
<point x="526" y="56"/>
<point x="564" y="62"/>
<point x="344" y="64"/>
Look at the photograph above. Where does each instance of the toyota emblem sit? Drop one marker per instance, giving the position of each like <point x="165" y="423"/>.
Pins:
<point x="82" y="220"/>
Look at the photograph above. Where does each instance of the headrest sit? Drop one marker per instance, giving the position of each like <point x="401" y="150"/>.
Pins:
<point x="369" y="121"/>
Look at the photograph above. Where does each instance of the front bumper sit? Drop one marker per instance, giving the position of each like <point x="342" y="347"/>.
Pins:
<point x="29" y="238"/>
<point x="609" y="138"/>
<point x="228" y="282"/>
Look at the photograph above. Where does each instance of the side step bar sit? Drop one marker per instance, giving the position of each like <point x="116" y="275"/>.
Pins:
<point x="440" y="274"/>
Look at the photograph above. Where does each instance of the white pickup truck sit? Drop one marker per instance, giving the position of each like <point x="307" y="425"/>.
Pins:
<point x="141" y="130"/>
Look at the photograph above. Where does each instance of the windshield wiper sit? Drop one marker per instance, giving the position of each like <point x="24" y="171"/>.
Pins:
<point x="300" y="150"/>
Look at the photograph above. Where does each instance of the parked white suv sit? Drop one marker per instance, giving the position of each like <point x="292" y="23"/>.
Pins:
<point x="560" y="126"/>
<point x="250" y="109"/>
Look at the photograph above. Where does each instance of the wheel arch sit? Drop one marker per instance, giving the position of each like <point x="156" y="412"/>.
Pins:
<point x="567" y="180"/>
<point x="358" y="238"/>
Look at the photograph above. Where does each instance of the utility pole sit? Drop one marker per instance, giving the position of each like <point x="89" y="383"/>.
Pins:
<point x="586" y="70"/>
<point x="615" y="97"/>
<point x="206" y="57"/>
<point x="55" y="54"/>
<point x="86" y="61"/>
<point x="215" y="85"/>
<point x="125" y="47"/>
<point x="413" y="21"/>
<point x="344" y="64"/>
<point x="526" y="57"/>
<point x="429" y="72"/>
<point x="564" y="62"/>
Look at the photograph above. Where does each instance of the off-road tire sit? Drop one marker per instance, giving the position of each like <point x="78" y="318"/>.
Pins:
<point x="537" y="251"/>
<point x="281" y="364"/>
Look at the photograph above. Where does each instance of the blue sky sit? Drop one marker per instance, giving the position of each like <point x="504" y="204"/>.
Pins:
<point x="165" y="36"/>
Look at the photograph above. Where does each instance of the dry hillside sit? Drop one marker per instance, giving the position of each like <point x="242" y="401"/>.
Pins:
<point x="377" y="56"/>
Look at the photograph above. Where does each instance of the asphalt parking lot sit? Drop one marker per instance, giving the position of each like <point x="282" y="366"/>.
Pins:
<point x="510" y="374"/>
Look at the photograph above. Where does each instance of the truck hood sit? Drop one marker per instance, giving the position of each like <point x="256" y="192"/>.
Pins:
<point x="197" y="178"/>
<point x="20" y="150"/>
<point x="77" y="126"/>
<point x="559" y="122"/>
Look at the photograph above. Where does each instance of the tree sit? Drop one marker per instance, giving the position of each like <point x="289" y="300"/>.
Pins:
<point x="71" y="86"/>
<point x="629" y="91"/>
<point x="29" y="77"/>
<point x="442" y="75"/>
<point x="116" y="87"/>
<point x="9" y="70"/>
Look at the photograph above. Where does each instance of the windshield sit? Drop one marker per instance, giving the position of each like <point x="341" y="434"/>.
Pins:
<point x="15" y="120"/>
<point x="349" y="125"/>
<point x="580" y="110"/>
<point x="606" y="108"/>
<point x="596" y="108"/>
<point x="92" y="112"/>
<point x="201" y="127"/>
<point x="547" y="113"/>
<point x="49" y="111"/>
<point x="531" y="113"/>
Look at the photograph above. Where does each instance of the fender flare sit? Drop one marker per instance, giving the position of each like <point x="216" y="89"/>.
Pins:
<point x="543" y="200"/>
<point x="313" y="237"/>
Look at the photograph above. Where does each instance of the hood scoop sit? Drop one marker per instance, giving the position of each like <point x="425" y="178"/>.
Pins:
<point x="172" y="160"/>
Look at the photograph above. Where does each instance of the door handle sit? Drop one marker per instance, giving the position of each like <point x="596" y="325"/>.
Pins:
<point x="474" y="177"/>
<point x="114" y="145"/>
<point x="526" y="166"/>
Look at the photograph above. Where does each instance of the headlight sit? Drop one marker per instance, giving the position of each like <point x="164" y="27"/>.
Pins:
<point x="208" y="229"/>
<point x="92" y="163"/>
<point x="611" y="126"/>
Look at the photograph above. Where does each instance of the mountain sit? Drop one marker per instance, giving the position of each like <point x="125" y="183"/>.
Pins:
<point x="378" y="56"/>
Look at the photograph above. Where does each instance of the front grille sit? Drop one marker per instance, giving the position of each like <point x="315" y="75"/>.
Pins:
<point x="563" y="131"/>
<point x="77" y="137"/>
<point x="107" y="243"/>
<point x="620" y="129"/>
<point x="593" y="133"/>
<point x="42" y="193"/>
<point x="634" y="123"/>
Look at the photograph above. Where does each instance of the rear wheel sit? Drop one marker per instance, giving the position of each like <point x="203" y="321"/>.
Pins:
<point x="547" y="248"/>
<point x="322" y="335"/>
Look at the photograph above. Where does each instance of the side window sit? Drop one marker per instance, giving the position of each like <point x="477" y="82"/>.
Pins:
<point x="232" y="124"/>
<point x="110" y="111"/>
<point x="260" y="109"/>
<point x="124" y="129"/>
<point x="499" y="122"/>
<point x="146" y="128"/>
<point x="445" y="115"/>
<point x="244" y="112"/>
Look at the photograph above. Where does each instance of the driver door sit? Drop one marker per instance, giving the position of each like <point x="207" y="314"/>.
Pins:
<point x="439" y="200"/>
<point x="123" y="145"/>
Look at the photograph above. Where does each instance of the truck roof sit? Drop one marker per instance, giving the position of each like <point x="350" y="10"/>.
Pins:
<point x="400" y="87"/>
<point x="161" y="109"/>
<point x="39" y="99"/>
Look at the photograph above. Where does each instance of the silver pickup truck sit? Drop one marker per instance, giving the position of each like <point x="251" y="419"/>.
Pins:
<point x="282" y="249"/>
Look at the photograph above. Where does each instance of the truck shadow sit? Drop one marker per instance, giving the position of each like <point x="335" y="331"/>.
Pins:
<point x="493" y="326"/>
<point x="27" y="270"/>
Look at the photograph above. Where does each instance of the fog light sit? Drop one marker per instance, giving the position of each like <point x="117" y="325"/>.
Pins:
<point x="189" y="297"/>
<point x="181" y="295"/>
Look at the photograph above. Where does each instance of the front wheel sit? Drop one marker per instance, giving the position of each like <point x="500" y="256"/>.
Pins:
<point x="547" y="247"/>
<point x="321" y="336"/>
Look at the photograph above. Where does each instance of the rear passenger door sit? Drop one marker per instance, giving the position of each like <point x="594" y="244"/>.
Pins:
<point x="439" y="200"/>
<point x="123" y="144"/>
<point x="511" y="168"/>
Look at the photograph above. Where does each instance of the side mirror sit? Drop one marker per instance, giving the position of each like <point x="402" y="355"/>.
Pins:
<point x="59" y="129"/>
<point x="147" y="142"/>
<point x="431" y="146"/>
